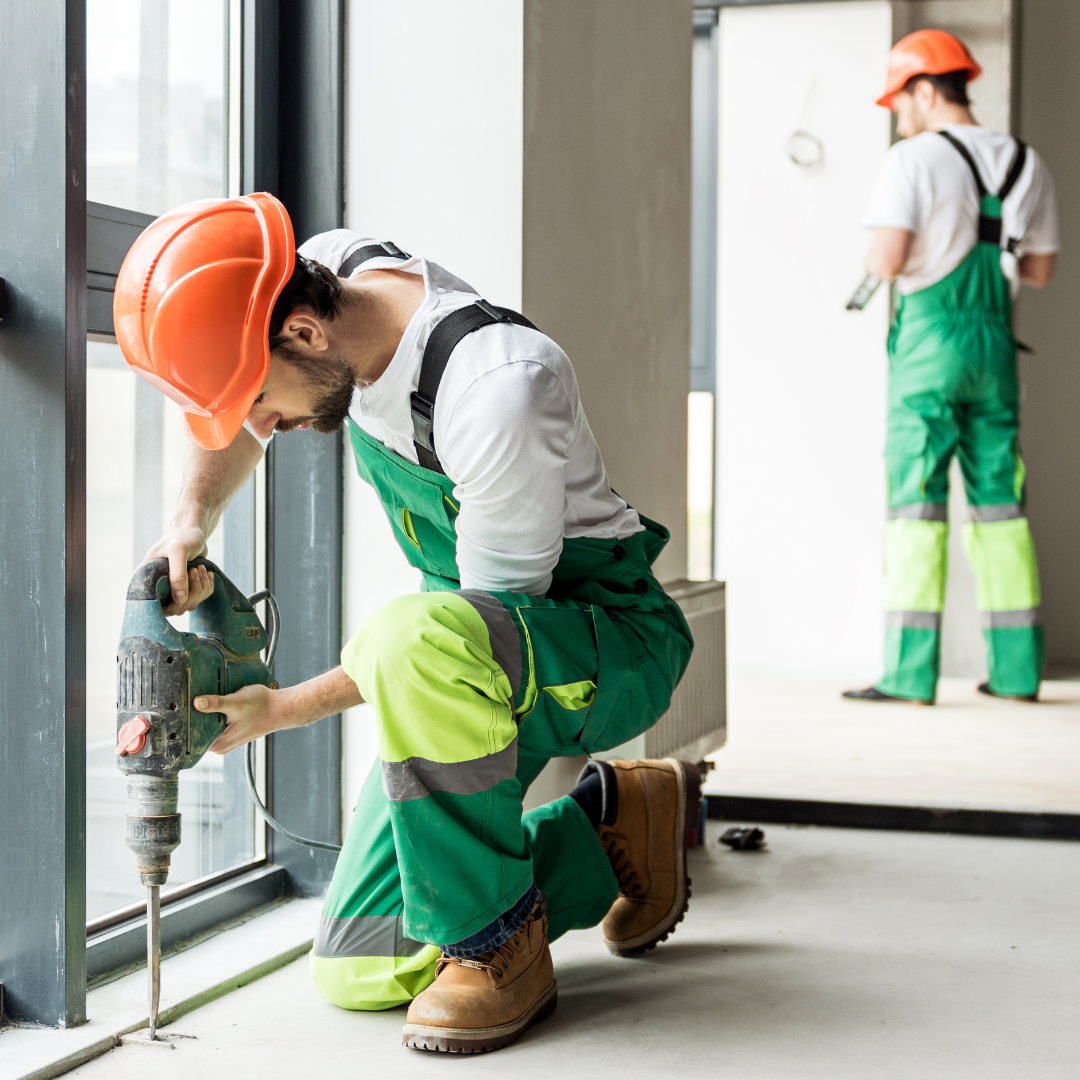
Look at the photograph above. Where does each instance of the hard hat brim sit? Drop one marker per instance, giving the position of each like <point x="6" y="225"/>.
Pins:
<point x="218" y="431"/>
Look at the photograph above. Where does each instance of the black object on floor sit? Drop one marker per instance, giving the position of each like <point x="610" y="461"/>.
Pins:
<point x="984" y="688"/>
<point x="744" y="838"/>
<point x="872" y="693"/>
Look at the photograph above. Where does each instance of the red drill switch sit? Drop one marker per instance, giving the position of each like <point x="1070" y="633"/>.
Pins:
<point x="131" y="738"/>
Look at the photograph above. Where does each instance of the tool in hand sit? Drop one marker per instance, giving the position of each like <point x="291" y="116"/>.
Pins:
<point x="861" y="297"/>
<point x="160" y="671"/>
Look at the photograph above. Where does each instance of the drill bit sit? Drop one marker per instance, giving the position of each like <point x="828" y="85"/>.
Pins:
<point x="153" y="953"/>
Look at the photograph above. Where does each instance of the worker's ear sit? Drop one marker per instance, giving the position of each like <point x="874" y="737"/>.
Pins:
<point x="925" y="94"/>
<point x="305" y="329"/>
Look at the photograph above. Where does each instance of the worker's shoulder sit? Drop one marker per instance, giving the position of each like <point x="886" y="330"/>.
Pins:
<point x="503" y="344"/>
<point x="927" y="148"/>
<point x="504" y="354"/>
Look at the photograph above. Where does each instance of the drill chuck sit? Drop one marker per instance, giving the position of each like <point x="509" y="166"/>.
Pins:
<point x="152" y="825"/>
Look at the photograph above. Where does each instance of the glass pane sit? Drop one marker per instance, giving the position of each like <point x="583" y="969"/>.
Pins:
<point x="135" y="447"/>
<point x="156" y="130"/>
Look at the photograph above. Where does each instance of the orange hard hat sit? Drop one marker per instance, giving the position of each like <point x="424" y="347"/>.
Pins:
<point x="926" y="52"/>
<point x="192" y="307"/>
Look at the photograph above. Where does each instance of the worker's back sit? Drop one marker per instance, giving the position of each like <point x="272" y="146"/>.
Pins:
<point x="926" y="186"/>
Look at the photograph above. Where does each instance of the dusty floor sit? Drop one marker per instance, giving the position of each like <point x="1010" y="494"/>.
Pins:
<point x="833" y="954"/>
<point x="797" y="738"/>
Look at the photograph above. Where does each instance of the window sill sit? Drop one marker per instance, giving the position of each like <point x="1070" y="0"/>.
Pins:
<point x="124" y="946"/>
<point x="191" y="977"/>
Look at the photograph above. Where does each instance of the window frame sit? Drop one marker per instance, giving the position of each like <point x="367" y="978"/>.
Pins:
<point x="57" y="293"/>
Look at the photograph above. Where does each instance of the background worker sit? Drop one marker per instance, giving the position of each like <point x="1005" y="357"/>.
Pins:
<point x="961" y="215"/>
<point x="541" y="630"/>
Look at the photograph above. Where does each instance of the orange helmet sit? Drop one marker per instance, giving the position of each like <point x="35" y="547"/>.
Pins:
<point x="926" y="52"/>
<point x="192" y="307"/>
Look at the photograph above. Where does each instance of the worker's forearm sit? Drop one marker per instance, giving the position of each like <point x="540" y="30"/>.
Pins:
<point x="325" y="695"/>
<point x="212" y="478"/>
<point x="889" y="251"/>
<point x="256" y="710"/>
<point x="1037" y="270"/>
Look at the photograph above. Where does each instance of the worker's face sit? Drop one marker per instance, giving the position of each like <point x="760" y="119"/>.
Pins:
<point x="308" y="384"/>
<point x="914" y="109"/>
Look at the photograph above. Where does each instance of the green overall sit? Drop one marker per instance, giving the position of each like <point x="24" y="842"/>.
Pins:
<point x="473" y="693"/>
<point x="953" y="389"/>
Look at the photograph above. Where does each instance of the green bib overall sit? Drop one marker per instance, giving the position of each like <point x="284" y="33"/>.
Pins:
<point x="953" y="389"/>
<point x="473" y="693"/>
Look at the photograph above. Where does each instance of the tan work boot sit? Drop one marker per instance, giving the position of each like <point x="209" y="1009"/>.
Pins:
<point x="486" y="1002"/>
<point x="646" y="845"/>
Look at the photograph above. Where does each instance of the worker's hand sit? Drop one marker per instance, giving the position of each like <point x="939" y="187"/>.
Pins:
<point x="252" y="711"/>
<point x="257" y="710"/>
<point x="191" y="587"/>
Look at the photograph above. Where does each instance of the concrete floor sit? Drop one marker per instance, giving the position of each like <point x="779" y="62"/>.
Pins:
<point x="833" y="954"/>
<point x="796" y="738"/>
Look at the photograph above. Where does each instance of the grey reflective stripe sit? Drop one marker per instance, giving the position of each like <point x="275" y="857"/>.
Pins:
<point x="1003" y="620"/>
<point x="997" y="512"/>
<point x="364" y="935"/>
<point x="918" y="512"/>
<point x="416" y="778"/>
<point x="505" y="642"/>
<point x="913" y="620"/>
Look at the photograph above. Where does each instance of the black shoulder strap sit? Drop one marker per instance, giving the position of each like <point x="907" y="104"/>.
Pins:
<point x="990" y="228"/>
<point x="441" y="343"/>
<point x="1015" y="169"/>
<point x="383" y="250"/>
<point x="962" y="150"/>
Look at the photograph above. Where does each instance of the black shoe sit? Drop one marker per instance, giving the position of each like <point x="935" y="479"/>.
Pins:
<point x="984" y="688"/>
<point x="872" y="693"/>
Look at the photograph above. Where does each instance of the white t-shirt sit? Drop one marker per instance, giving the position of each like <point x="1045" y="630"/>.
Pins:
<point x="927" y="187"/>
<point x="509" y="431"/>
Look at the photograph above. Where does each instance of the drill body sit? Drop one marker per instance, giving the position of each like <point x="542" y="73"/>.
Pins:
<point x="160" y="671"/>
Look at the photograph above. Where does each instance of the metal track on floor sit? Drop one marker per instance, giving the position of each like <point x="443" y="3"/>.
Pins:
<point x="1031" y="825"/>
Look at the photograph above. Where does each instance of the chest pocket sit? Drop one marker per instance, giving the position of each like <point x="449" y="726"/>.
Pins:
<point x="424" y="528"/>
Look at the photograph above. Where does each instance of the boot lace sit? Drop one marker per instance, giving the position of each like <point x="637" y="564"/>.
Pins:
<point x="498" y="960"/>
<point x="617" y="848"/>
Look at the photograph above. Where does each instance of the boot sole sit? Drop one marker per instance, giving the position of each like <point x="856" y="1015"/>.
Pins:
<point x="479" y="1040"/>
<point x="689" y="810"/>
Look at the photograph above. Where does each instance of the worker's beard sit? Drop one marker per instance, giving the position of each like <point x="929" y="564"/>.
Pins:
<point x="333" y="381"/>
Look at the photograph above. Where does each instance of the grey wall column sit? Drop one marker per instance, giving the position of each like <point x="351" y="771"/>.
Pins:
<point x="1046" y="320"/>
<point x="43" y="510"/>
<point x="293" y="142"/>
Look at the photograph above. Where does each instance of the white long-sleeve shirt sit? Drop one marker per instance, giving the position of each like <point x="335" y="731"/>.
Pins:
<point x="510" y="433"/>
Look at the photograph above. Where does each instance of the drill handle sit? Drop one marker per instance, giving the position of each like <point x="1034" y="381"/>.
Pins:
<point x="226" y="613"/>
<point x="146" y="582"/>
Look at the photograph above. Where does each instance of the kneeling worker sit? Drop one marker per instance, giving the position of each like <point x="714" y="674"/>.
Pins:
<point x="962" y="215"/>
<point x="541" y="631"/>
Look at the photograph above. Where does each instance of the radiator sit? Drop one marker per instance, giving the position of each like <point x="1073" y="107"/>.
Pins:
<point x="696" y="723"/>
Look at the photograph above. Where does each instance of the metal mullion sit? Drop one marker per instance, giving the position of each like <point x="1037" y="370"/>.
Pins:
<point x="305" y="475"/>
<point x="43" y="512"/>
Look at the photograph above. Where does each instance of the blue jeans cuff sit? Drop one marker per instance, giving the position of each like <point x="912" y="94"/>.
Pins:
<point x="500" y="930"/>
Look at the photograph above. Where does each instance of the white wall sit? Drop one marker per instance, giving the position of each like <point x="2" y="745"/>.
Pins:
<point x="434" y="162"/>
<point x="801" y="381"/>
<point x="434" y="133"/>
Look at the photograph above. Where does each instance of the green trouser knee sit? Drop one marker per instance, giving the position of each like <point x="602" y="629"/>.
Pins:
<point x="953" y="390"/>
<point x="443" y="848"/>
<point x="363" y="958"/>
